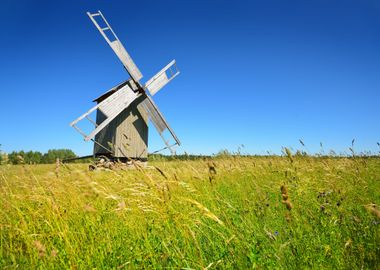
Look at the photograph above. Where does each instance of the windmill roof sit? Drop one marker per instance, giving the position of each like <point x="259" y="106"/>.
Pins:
<point x="110" y="92"/>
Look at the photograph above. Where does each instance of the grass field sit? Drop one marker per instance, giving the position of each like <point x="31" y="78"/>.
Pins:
<point x="223" y="213"/>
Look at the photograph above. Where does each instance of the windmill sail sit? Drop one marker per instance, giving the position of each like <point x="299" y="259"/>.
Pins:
<point x="116" y="46"/>
<point x="158" y="120"/>
<point x="163" y="77"/>
<point x="110" y="107"/>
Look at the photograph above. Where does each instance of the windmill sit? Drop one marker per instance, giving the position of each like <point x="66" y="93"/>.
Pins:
<point x="121" y="126"/>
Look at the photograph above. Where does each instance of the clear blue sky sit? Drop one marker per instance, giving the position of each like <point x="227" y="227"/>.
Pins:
<point x="259" y="73"/>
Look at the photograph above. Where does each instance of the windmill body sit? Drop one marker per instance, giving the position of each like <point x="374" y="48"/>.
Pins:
<point x="126" y="134"/>
<point x="121" y="126"/>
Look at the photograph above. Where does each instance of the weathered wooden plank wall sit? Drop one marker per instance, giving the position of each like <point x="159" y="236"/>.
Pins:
<point x="127" y="133"/>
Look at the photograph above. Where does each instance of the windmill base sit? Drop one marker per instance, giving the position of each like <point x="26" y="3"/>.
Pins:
<point x="119" y="159"/>
<point x="114" y="163"/>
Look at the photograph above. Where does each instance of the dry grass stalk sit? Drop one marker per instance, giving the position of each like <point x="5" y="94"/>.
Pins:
<point x="348" y="243"/>
<point x="20" y="159"/>
<point x="57" y="167"/>
<point x="89" y="208"/>
<point x="161" y="172"/>
<point x="54" y="253"/>
<point x="289" y="154"/>
<point x="285" y="197"/>
<point x="211" y="171"/>
<point x="40" y="248"/>
<point x="373" y="209"/>
<point x="205" y="211"/>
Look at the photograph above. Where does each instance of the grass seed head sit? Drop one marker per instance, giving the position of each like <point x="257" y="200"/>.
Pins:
<point x="348" y="243"/>
<point x="284" y="189"/>
<point x="288" y="205"/>
<point x="373" y="209"/>
<point x="54" y="253"/>
<point x="289" y="154"/>
<point x="40" y="248"/>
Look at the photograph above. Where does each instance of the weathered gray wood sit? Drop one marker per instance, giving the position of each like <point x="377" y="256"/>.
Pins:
<point x="112" y="106"/>
<point x="161" y="79"/>
<point x="154" y="116"/>
<point x="111" y="91"/>
<point x="73" y="123"/>
<point x="127" y="133"/>
<point x="127" y="61"/>
<point x="92" y="121"/>
<point x="157" y="118"/>
<point x="118" y="48"/>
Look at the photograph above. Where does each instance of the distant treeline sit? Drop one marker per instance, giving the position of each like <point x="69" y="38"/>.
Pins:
<point x="35" y="157"/>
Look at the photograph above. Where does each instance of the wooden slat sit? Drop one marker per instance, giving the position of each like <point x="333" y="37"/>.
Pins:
<point x="159" y="120"/>
<point x="128" y="132"/>
<point x="113" y="106"/>
<point x="119" y="49"/>
<point x="127" y="61"/>
<point x="161" y="79"/>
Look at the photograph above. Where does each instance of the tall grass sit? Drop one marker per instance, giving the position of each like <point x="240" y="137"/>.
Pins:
<point x="183" y="214"/>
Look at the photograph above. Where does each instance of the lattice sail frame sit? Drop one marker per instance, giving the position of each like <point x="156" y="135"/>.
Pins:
<point x="111" y="107"/>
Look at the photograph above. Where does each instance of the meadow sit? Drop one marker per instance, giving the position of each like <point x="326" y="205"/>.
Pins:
<point x="229" y="212"/>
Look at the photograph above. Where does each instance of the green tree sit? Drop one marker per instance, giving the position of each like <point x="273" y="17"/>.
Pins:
<point x="16" y="157"/>
<point x="53" y="154"/>
<point x="35" y="157"/>
<point x="32" y="157"/>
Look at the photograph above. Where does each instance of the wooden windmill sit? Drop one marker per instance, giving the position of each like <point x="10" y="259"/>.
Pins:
<point x="121" y="126"/>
